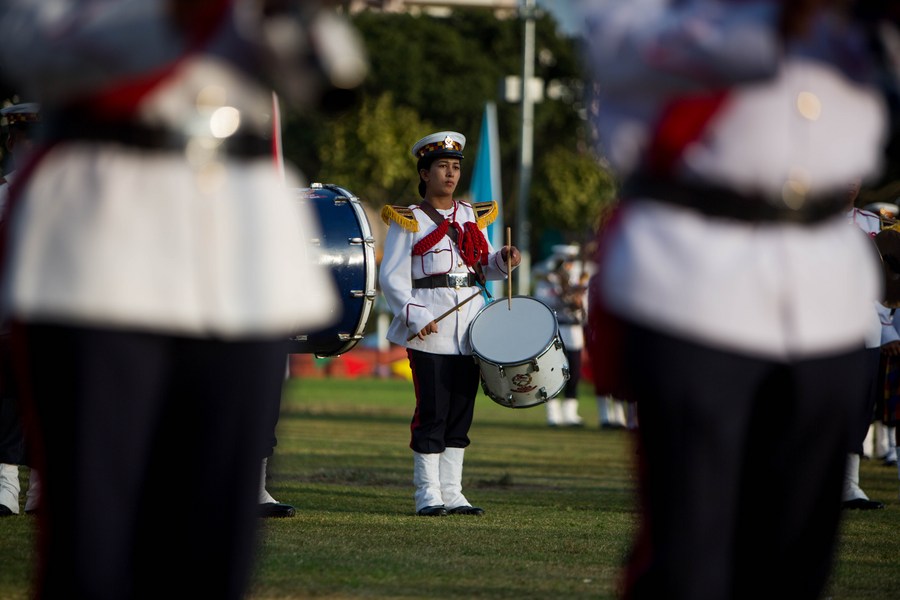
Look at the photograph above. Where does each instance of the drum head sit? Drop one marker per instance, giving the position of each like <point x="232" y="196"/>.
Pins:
<point x="509" y="336"/>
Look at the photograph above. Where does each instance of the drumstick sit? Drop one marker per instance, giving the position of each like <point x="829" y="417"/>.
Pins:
<point x="449" y="312"/>
<point x="509" y="259"/>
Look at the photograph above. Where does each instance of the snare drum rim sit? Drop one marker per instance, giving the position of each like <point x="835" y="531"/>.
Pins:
<point x="543" y="351"/>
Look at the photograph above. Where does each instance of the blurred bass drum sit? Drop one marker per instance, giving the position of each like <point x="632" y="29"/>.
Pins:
<point x="347" y="249"/>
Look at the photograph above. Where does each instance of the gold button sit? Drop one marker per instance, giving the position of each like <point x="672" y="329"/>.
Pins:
<point x="809" y="106"/>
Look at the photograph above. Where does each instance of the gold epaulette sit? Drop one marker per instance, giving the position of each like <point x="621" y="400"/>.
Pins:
<point x="485" y="213"/>
<point x="401" y="215"/>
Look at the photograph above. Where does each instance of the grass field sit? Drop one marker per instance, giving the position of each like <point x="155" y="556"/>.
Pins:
<point x="559" y="502"/>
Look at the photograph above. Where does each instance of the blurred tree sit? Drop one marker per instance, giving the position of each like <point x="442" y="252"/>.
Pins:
<point x="428" y="74"/>
<point x="368" y="152"/>
<point x="575" y="191"/>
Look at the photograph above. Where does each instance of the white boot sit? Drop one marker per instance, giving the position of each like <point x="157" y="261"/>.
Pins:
<point x="427" y="479"/>
<point x="33" y="495"/>
<point x="869" y="449"/>
<point x="264" y="496"/>
<point x="603" y="411"/>
<point x="269" y="507"/>
<point x="451" y="483"/>
<point x="570" y="413"/>
<point x="9" y="489"/>
<point x="882" y="444"/>
<point x="554" y="412"/>
<point x="890" y="458"/>
<point x="610" y="412"/>
<point x="852" y="490"/>
<point x="853" y="496"/>
<point x="617" y="412"/>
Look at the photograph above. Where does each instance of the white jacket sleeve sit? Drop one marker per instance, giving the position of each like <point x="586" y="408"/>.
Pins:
<point x="395" y="279"/>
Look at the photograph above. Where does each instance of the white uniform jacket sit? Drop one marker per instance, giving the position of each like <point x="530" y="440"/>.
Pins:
<point x="190" y="240"/>
<point x="793" y="119"/>
<point x="413" y="309"/>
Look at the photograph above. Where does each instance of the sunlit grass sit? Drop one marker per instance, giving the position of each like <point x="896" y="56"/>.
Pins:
<point x="559" y="502"/>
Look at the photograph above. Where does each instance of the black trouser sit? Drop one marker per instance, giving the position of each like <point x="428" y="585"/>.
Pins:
<point x="741" y="468"/>
<point x="446" y="386"/>
<point x="574" y="358"/>
<point x="149" y="447"/>
<point x="12" y="441"/>
<point x="863" y="417"/>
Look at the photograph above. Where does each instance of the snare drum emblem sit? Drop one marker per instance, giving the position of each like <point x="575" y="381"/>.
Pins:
<point x="522" y="383"/>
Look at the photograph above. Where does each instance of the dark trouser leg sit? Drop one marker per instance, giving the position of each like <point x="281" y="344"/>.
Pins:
<point x="150" y="451"/>
<point x="741" y="465"/>
<point x="446" y="386"/>
<point x="574" y="358"/>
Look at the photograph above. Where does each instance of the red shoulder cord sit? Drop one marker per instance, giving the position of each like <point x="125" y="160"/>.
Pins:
<point x="472" y="245"/>
<point x="430" y="240"/>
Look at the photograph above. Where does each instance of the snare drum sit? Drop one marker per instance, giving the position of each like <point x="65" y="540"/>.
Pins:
<point x="518" y="350"/>
<point x="347" y="248"/>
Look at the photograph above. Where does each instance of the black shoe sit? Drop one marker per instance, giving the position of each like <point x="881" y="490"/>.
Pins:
<point x="863" y="504"/>
<point x="466" y="510"/>
<point x="276" y="510"/>
<point x="432" y="511"/>
<point x="5" y="511"/>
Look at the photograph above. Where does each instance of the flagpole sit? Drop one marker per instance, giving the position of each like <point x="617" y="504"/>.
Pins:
<point x="523" y="225"/>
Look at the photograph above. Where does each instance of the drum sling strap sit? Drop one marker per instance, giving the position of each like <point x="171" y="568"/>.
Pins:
<point x="435" y="216"/>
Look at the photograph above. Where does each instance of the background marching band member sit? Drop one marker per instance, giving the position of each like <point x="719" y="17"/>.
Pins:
<point x="561" y="282"/>
<point x="881" y="332"/>
<point x="730" y="281"/>
<point x="152" y="273"/>
<point x="424" y="273"/>
<point x="21" y="121"/>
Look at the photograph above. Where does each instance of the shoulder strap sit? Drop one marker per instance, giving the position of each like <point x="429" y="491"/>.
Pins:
<point x="435" y="216"/>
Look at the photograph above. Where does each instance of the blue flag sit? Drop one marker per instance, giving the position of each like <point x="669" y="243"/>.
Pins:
<point x="485" y="185"/>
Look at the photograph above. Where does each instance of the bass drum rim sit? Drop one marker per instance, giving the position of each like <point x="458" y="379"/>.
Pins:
<point x="346" y="341"/>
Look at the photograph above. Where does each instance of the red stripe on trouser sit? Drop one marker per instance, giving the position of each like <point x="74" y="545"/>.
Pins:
<point x="415" y="378"/>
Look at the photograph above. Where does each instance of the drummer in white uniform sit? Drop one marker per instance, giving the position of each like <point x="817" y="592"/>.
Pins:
<point x="424" y="273"/>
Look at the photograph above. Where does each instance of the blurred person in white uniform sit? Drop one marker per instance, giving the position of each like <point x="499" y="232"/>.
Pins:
<point x="730" y="279"/>
<point x="21" y="121"/>
<point x="878" y="340"/>
<point x="154" y="266"/>
<point x="561" y="283"/>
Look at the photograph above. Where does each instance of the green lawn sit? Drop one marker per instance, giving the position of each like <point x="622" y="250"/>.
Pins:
<point x="559" y="504"/>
